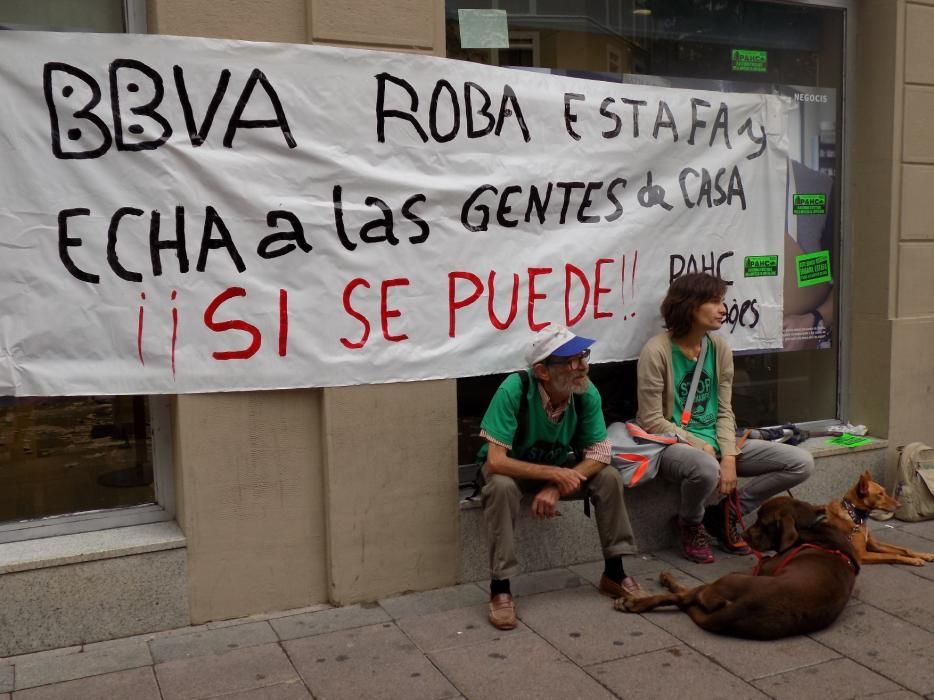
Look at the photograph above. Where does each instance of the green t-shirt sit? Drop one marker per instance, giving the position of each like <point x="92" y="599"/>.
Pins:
<point x="542" y="442"/>
<point x="704" y="419"/>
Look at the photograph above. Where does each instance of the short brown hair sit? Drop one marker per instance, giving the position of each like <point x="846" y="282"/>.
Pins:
<point x="684" y="295"/>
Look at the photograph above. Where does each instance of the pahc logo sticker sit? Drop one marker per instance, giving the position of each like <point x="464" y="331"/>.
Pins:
<point x="760" y="266"/>
<point x="748" y="61"/>
<point x="809" y="204"/>
<point x="813" y="268"/>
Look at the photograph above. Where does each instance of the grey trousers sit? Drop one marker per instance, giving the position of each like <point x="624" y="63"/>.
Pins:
<point x="502" y="495"/>
<point x="773" y="466"/>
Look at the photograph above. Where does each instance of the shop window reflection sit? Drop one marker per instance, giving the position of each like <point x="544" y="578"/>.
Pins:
<point x="73" y="454"/>
<point x="676" y="42"/>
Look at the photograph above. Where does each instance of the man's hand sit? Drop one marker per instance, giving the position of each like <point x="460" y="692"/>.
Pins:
<point x="545" y="503"/>
<point x="566" y="481"/>
<point x="727" y="475"/>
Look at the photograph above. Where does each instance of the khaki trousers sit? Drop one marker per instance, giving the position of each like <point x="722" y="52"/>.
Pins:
<point x="501" y="497"/>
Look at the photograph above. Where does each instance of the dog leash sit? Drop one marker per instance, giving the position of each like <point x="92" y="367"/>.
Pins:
<point x="797" y="550"/>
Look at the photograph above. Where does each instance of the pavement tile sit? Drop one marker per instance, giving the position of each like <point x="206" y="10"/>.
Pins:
<point x="6" y="679"/>
<point x="265" y="617"/>
<point x="453" y="628"/>
<point x="724" y="564"/>
<point x="649" y="580"/>
<point x="884" y="643"/>
<point x="324" y="621"/>
<point x="898" y="591"/>
<point x="924" y="529"/>
<point x="676" y="672"/>
<point x="292" y="690"/>
<point x="541" y="582"/>
<point x="94" y="659"/>
<point x="748" y="659"/>
<point x="409" y="604"/>
<point x="905" y="537"/>
<point x="837" y="679"/>
<point x="636" y="565"/>
<point x="134" y="684"/>
<point x="517" y="666"/>
<point x="368" y="662"/>
<point x="209" y="642"/>
<point x="239" y="670"/>
<point x="583" y="625"/>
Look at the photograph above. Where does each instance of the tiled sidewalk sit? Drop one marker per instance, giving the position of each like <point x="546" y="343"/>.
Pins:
<point x="570" y="644"/>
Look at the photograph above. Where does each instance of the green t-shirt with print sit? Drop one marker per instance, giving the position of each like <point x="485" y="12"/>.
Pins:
<point x="704" y="418"/>
<point x="542" y="441"/>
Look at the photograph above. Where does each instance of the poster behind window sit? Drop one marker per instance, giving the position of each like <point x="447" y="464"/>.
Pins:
<point x="810" y="224"/>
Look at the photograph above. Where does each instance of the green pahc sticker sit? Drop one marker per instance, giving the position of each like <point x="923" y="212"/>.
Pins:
<point x="813" y="268"/>
<point x="749" y="61"/>
<point x="847" y="440"/>
<point x="760" y="266"/>
<point x="808" y="204"/>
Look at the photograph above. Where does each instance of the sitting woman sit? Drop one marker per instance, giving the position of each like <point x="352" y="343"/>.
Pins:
<point x="708" y="461"/>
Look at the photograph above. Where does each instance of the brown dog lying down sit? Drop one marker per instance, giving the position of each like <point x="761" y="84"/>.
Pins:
<point x="801" y="589"/>
<point x="849" y="515"/>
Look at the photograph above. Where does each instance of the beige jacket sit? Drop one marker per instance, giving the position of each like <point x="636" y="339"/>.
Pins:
<point x="657" y="397"/>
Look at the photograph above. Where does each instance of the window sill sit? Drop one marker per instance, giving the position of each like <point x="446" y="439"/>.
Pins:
<point x="818" y="447"/>
<point x="89" y="546"/>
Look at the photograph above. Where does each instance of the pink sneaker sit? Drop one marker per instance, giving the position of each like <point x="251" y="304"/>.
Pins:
<point x="695" y="544"/>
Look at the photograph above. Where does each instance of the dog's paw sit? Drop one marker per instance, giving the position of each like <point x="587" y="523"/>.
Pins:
<point x="927" y="556"/>
<point x="668" y="580"/>
<point x="913" y="561"/>
<point x="620" y="604"/>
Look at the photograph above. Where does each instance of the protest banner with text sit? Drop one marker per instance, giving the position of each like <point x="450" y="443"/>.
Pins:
<point x="191" y="215"/>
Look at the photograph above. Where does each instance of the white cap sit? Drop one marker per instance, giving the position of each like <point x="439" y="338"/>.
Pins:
<point x="555" y="340"/>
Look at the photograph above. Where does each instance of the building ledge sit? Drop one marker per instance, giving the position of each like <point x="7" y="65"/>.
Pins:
<point x="819" y="447"/>
<point x="43" y="553"/>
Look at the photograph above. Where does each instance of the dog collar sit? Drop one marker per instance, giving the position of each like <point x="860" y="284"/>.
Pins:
<point x="856" y="515"/>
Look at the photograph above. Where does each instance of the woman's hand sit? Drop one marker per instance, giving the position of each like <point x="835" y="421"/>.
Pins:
<point x="727" y="475"/>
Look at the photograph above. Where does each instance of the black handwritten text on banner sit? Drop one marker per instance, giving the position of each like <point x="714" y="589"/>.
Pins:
<point x="187" y="215"/>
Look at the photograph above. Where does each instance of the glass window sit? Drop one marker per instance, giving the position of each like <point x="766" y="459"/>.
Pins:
<point x="76" y="456"/>
<point x="733" y="45"/>
<point x="72" y="16"/>
<point x="66" y="455"/>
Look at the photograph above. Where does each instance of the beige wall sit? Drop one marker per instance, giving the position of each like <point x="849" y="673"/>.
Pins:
<point x="912" y="391"/>
<point x="892" y="214"/>
<point x="251" y="501"/>
<point x="392" y="503"/>
<point x="289" y="498"/>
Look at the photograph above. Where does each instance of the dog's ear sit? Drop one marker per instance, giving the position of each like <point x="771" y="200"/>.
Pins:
<point x="789" y="532"/>
<point x="862" y="488"/>
<point x="807" y="515"/>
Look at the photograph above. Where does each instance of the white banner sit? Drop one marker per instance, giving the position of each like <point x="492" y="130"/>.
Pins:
<point x="187" y="215"/>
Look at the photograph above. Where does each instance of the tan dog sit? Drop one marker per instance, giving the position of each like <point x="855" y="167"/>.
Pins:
<point x="801" y="589"/>
<point x="850" y="514"/>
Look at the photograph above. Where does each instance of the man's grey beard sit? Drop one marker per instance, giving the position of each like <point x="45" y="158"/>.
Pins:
<point x="568" y="384"/>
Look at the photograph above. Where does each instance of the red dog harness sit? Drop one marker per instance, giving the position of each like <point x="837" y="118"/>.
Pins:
<point x="794" y="552"/>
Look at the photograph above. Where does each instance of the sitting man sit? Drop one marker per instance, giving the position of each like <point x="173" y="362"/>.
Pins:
<point x="532" y="427"/>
